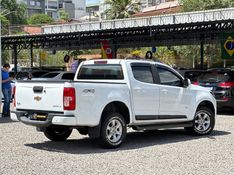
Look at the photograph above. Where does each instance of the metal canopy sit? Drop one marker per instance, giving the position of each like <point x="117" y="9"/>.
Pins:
<point x="178" y="34"/>
<point x="165" y="30"/>
<point x="172" y="29"/>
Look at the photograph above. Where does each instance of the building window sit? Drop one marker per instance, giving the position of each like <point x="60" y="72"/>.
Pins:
<point x="38" y="4"/>
<point x="32" y="3"/>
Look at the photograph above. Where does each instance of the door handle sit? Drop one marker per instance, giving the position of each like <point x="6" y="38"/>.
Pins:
<point x="137" y="89"/>
<point x="164" y="91"/>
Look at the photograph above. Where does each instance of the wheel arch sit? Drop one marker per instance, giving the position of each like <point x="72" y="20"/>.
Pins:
<point x="117" y="106"/>
<point x="207" y="104"/>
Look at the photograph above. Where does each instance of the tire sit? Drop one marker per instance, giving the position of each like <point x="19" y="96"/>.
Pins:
<point x="203" y="122"/>
<point x="57" y="134"/>
<point x="113" y="130"/>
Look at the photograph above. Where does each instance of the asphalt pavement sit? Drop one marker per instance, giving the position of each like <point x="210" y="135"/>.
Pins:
<point x="23" y="150"/>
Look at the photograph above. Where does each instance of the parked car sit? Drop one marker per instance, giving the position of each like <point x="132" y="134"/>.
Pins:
<point x="193" y="74"/>
<point x="221" y="83"/>
<point x="57" y="76"/>
<point x="108" y="96"/>
<point x="28" y="75"/>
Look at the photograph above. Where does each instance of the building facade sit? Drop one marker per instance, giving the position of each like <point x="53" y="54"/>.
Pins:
<point x="75" y="8"/>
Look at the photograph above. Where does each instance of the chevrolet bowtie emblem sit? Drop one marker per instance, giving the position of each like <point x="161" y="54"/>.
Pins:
<point x="37" y="98"/>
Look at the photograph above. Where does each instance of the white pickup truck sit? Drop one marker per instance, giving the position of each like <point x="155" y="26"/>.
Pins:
<point x="107" y="96"/>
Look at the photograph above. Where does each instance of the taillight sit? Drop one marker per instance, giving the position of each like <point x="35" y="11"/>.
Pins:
<point x="69" y="98"/>
<point x="195" y="83"/>
<point x="13" y="95"/>
<point x="226" y="84"/>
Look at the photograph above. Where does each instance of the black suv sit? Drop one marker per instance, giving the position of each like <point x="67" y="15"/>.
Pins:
<point x="221" y="84"/>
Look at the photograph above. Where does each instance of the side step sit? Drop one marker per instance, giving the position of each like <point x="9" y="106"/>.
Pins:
<point x="162" y="125"/>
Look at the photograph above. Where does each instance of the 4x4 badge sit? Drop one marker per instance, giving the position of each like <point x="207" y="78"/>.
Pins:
<point x="37" y="98"/>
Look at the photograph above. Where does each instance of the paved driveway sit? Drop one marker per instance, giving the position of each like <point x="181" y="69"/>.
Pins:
<point x="23" y="150"/>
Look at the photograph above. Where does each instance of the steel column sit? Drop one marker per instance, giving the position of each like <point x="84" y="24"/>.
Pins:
<point x="31" y="54"/>
<point x="15" y="57"/>
<point x="202" y="54"/>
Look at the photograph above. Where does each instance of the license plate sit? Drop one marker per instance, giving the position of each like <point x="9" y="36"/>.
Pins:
<point x="40" y="116"/>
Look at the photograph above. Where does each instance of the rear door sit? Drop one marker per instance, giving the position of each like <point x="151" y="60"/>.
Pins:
<point x="145" y="93"/>
<point x="38" y="96"/>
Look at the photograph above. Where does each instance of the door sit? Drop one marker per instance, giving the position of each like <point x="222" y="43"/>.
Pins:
<point x="174" y="98"/>
<point x="145" y="93"/>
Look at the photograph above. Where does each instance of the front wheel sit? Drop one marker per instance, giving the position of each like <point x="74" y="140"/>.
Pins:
<point x="203" y="122"/>
<point x="113" y="130"/>
<point x="57" y="134"/>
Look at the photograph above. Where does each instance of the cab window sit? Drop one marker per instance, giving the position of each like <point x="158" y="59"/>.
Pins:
<point x="168" y="77"/>
<point x="143" y="73"/>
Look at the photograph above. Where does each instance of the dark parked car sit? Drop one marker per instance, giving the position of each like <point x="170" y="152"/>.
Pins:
<point x="221" y="83"/>
<point x="27" y="75"/>
<point x="57" y="76"/>
<point x="193" y="74"/>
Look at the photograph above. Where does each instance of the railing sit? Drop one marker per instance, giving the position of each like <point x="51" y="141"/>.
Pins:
<point x="179" y="18"/>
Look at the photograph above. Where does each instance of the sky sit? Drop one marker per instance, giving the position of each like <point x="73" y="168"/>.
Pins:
<point x="91" y="1"/>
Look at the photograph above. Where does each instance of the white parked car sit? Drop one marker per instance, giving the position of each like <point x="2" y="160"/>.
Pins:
<point x="107" y="96"/>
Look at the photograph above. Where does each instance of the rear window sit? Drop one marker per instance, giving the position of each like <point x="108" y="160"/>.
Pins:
<point x="68" y="76"/>
<point x="214" y="77"/>
<point x="101" y="72"/>
<point x="38" y="74"/>
<point x="50" y="75"/>
<point x="22" y="75"/>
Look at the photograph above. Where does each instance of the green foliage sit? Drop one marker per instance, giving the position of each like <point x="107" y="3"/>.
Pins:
<point x="121" y="8"/>
<point x="194" y="5"/>
<point x="14" y="12"/>
<point x="64" y="15"/>
<point x="40" y="19"/>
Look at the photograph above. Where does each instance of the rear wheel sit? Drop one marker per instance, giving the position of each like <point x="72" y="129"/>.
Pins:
<point x="203" y="123"/>
<point x="57" y="133"/>
<point x="113" y="130"/>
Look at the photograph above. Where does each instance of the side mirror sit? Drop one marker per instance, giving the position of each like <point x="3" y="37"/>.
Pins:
<point x="186" y="82"/>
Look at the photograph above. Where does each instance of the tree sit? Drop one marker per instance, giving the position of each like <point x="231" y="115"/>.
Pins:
<point x="121" y="8"/>
<point x="40" y="19"/>
<point x="195" y="5"/>
<point x="64" y="15"/>
<point x="16" y="13"/>
<point x="12" y="13"/>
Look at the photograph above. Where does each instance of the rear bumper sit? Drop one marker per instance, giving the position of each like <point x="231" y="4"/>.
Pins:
<point x="51" y="119"/>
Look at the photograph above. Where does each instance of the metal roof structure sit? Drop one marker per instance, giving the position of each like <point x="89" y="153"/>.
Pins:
<point x="176" y="29"/>
<point x="166" y="30"/>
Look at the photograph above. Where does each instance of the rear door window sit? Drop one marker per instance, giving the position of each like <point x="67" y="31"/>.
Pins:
<point x="143" y="73"/>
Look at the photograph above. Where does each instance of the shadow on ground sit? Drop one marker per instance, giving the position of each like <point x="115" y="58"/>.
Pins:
<point x="5" y="120"/>
<point x="134" y="140"/>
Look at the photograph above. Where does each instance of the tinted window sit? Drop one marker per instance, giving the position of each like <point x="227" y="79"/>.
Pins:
<point x="143" y="73"/>
<point x="214" y="77"/>
<point x="168" y="78"/>
<point x="101" y="72"/>
<point x="22" y="75"/>
<point x="50" y="75"/>
<point x="38" y="74"/>
<point x="68" y="76"/>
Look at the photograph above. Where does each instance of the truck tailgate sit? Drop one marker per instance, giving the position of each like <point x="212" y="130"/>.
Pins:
<point x="39" y="96"/>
